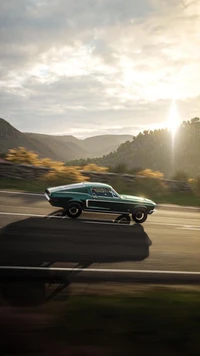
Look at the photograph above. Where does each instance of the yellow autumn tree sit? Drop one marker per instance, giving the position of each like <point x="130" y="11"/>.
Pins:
<point x="49" y="163"/>
<point x="64" y="176"/>
<point x="94" y="167"/>
<point x="58" y="172"/>
<point x="151" y="174"/>
<point x="21" y="155"/>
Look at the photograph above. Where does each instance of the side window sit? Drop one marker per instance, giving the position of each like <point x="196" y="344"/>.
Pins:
<point x="96" y="191"/>
<point x="108" y="192"/>
<point x="101" y="192"/>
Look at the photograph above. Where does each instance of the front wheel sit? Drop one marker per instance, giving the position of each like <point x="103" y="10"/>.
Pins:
<point x="73" y="210"/>
<point x="139" y="215"/>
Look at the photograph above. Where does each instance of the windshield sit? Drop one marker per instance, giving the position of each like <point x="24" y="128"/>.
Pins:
<point x="115" y="194"/>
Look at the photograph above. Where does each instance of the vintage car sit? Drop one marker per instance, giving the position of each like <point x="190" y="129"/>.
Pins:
<point x="98" y="197"/>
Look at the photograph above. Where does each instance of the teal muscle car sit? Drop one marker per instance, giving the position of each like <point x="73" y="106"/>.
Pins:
<point x="98" y="197"/>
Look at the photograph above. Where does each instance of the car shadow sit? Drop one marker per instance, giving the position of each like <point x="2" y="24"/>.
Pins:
<point x="35" y="242"/>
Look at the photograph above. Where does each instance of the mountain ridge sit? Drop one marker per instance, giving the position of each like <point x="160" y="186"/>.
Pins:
<point x="58" y="147"/>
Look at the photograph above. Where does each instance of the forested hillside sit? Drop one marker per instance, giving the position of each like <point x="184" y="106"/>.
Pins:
<point x="158" y="150"/>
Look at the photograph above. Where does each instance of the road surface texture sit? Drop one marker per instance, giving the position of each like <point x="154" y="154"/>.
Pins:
<point x="165" y="249"/>
<point x="168" y="241"/>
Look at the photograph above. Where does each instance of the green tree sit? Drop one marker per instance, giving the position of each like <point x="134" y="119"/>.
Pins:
<point x="181" y="176"/>
<point x="120" y="168"/>
<point x="156" y="151"/>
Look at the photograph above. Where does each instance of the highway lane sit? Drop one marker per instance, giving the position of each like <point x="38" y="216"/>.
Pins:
<point x="175" y="234"/>
<point x="36" y="204"/>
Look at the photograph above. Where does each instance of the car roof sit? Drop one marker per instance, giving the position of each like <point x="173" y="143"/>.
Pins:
<point x="96" y="184"/>
<point x="88" y="185"/>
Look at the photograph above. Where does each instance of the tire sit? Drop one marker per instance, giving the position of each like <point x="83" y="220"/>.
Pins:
<point x="73" y="210"/>
<point x="139" y="215"/>
<point x="123" y="219"/>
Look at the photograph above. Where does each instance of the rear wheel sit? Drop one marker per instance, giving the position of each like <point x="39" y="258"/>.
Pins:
<point x="139" y="215"/>
<point x="73" y="210"/>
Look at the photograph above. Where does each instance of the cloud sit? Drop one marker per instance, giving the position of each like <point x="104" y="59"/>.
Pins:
<point x="89" y="65"/>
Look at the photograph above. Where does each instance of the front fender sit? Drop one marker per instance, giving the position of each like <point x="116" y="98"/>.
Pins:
<point x="149" y="209"/>
<point x="140" y="206"/>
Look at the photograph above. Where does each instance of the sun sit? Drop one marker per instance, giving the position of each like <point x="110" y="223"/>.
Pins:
<point x="173" y="118"/>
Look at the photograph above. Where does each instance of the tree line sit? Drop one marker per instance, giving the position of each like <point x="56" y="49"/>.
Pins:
<point x="156" y="150"/>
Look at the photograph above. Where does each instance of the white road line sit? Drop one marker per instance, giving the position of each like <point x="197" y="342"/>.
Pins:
<point x="21" y="214"/>
<point x="33" y="215"/>
<point x="104" y="223"/>
<point x="183" y="227"/>
<point x="178" y="226"/>
<point x="21" y="193"/>
<point x="166" y="224"/>
<point x="101" y="270"/>
<point x="2" y="206"/>
<point x="195" y="228"/>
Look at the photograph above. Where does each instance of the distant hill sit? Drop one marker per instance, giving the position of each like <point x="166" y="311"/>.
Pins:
<point x="12" y="138"/>
<point x="61" y="148"/>
<point x="101" y="145"/>
<point x="157" y="150"/>
<point x="57" y="147"/>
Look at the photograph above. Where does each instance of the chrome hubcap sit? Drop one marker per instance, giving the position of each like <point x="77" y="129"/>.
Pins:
<point x="139" y="215"/>
<point x="73" y="210"/>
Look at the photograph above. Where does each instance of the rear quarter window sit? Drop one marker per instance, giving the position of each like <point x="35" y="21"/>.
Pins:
<point x="81" y="190"/>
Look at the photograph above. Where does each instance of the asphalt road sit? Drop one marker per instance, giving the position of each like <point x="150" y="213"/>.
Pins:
<point x="168" y="241"/>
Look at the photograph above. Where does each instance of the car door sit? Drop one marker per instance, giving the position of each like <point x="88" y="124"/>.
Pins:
<point x="104" y="200"/>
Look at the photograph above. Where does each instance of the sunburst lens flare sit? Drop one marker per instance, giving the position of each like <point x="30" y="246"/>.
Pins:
<point x="174" y="118"/>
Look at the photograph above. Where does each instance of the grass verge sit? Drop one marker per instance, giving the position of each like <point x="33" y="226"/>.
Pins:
<point x="154" y="321"/>
<point x="38" y="186"/>
<point x="182" y="199"/>
<point x="157" y="323"/>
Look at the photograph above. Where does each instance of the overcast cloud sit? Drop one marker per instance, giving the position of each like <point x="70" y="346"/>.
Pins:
<point x="87" y="67"/>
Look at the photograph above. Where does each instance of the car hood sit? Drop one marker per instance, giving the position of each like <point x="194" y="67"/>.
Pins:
<point x="137" y="199"/>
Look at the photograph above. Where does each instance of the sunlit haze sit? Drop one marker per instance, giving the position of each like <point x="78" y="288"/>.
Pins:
<point x="95" y="67"/>
<point x="174" y="118"/>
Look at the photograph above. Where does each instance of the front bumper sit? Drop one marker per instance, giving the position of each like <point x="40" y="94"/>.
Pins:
<point x="151" y="211"/>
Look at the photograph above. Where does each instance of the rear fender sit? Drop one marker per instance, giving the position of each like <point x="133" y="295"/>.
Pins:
<point x="76" y="201"/>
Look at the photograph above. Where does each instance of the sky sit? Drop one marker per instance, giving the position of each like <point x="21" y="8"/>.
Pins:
<point x="92" y="67"/>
